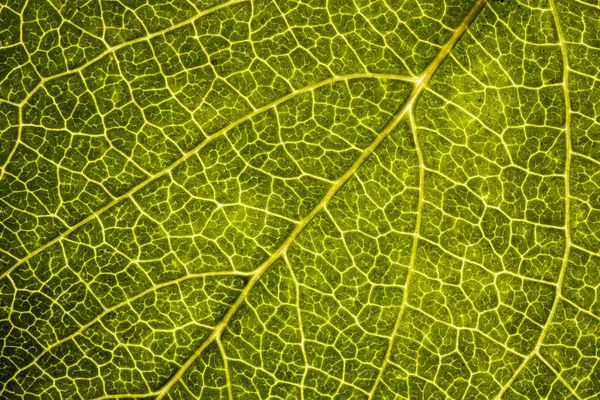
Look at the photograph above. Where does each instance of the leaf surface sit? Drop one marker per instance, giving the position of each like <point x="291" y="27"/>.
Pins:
<point x="248" y="199"/>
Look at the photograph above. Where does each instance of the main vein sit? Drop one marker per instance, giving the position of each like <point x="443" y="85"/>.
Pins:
<point x="565" y="261"/>
<point x="194" y="151"/>
<point x="420" y="85"/>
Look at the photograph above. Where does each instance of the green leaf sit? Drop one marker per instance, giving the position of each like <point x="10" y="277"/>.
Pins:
<point x="299" y="199"/>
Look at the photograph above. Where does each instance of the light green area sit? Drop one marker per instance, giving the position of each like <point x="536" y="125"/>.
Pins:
<point x="299" y="199"/>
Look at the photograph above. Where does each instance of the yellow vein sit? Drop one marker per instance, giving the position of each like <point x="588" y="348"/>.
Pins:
<point x="580" y="309"/>
<point x="152" y="289"/>
<point x="424" y="81"/>
<point x="99" y="57"/>
<point x="226" y="367"/>
<point x="130" y="42"/>
<point x="57" y="8"/>
<point x="195" y="150"/>
<point x="559" y="377"/>
<point x="17" y="141"/>
<point x="421" y="83"/>
<point x="538" y="345"/>
<point x="124" y="396"/>
<point x="411" y="265"/>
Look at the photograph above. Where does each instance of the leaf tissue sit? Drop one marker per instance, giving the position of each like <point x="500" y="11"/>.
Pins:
<point x="300" y="199"/>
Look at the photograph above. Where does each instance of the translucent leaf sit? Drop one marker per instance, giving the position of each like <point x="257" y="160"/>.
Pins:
<point x="300" y="199"/>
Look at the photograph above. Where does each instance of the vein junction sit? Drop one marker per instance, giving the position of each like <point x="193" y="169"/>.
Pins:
<point x="310" y="199"/>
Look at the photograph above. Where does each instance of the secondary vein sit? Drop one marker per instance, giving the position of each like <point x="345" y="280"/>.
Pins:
<point x="194" y="151"/>
<point x="565" y="260"/>
<point x="420" y="85"/>
<point x="432" y="68"/>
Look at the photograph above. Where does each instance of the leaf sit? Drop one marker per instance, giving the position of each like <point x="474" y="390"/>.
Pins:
<point x="250" y="199"/>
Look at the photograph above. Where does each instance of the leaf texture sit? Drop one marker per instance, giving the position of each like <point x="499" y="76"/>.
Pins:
<point x="299" y="199"/>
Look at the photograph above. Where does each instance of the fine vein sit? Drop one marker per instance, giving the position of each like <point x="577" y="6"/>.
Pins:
<point x="195" y="150"/>
<point x="567" y="172"/>
<point x="421" y="83"/>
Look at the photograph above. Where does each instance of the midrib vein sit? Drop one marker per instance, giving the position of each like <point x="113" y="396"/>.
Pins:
<point x="565" y="260"/>
<point x="194" y="151"/>
<point x="420" y="85"/>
